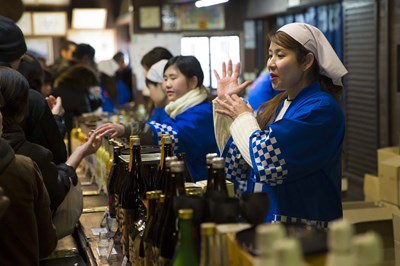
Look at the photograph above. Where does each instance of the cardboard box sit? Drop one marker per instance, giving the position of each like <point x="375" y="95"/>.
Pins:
<point x="389" y="176"/>
<point x="387" y="153"/>
<point x="371" y="188"/>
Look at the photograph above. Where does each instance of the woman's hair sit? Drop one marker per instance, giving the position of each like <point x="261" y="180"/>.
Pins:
<point x="266" y="112"/>
<point x="32" y="70"/>
<point x="78" y="77"/>
<point x="14" y="89"/>
<point x="189" y="66"/>
<point x="154" y="55"/>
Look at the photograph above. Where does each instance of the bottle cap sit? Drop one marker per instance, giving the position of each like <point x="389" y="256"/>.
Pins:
<point x="218" y="163"/>
<point x="170" y="159"/>
<point x="288" y="252"/>
<point x="177" y="167"/>
<point x="162" y="198"/>
<point x="208" y="229"/>
<point x="267" y="235"/>
<point x="368" y="249"/>
<point x="185" y="214"/>
<point x="340" y="235"/>
<point x="210" y="157"/>
<point x="167" y="139"/>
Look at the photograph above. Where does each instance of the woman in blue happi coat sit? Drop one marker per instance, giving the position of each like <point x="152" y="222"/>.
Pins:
<point x="292" y="148"/>
<point x="189" y="121"/>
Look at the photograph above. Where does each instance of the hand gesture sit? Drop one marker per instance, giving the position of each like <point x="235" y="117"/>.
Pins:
<point x="92" y="144"/>
<point x="110" y="129"/>
<point x="55" y="105"/>
<point x="228" y="83"/>
<point x="233" y="106"/>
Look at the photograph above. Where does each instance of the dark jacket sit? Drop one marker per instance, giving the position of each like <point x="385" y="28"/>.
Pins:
<point x="41" y="128"/>
<point x="56" y="177"/>
<point x="26" y="230"/>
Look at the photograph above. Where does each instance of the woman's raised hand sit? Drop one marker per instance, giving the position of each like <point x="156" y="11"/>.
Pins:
<point x="228" y="84"/>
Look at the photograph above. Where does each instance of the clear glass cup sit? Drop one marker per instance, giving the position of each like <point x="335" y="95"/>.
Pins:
<point x="103" y="246"/>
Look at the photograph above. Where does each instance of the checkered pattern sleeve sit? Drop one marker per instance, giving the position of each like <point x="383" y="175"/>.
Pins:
<point x="160" y="129"/>
<point x="236" y="168"/>
<point x="268" y="162"/>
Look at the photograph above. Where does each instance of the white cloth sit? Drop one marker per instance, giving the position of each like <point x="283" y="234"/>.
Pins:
<point x="156" y="71"/>
<point x="314" y="40"/>
<point x="222" y="124"/>
<point x="282" y="112"/>
<point x="242" y="128"/>
<point x="108" y="67"/>
<point x="190" y="99"/>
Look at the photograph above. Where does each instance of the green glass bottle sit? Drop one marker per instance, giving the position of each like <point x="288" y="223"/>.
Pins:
<point x="186" y="252"/>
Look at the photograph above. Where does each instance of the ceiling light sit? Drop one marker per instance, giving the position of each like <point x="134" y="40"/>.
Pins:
<point x="203" y="3"/>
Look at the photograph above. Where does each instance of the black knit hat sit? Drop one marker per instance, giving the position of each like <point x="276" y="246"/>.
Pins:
<point x="12" y="41"/>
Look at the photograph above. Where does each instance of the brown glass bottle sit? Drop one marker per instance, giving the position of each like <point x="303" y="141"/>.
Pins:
<point x="186" y="172"/>
<point x="169" y="233"/>
<point x="113" y="177"/>
<point x="218" y="188"/>
<point x="155" y="234"/>
<point x="210" y="179"/>
<point x="130" y="199"/>
<point x="166" y="151"/>
<point x="147" y="240"/>
<point x="161" y="218"/>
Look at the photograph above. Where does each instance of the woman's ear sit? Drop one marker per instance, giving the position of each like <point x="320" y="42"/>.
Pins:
<point x="193" y="83"/>
<point x="309" y="61"/>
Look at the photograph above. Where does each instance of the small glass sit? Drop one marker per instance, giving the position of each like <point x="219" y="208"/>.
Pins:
<point x="103" y="246"/>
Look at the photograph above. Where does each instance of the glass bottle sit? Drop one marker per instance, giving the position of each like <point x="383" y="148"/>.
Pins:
<point x="288" y="252"/>
<point x="166" y="151"/>
<point x="368" y="249"/>
<point x="169" y="233"/>
<point x="185" y="250"/>
<point x="130" y="200"/>
<point x="186" y="172"/>
<point x="113" y="176"/>
<point x="266" y="236"/>
<point x="218" y="185"/>
<point x="210" y="179"/>
<point x="209" y="248"/>
<point x="147" y="240"/>
<point x="155" y="234"/>
<point x="340" y="235"/>
<point x="164" y="208"/>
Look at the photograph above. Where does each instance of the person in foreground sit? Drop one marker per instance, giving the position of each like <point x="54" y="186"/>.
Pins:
<point x="26" y="229"/>
<point x="292" y="148"/>
<point x="189" y="120"/>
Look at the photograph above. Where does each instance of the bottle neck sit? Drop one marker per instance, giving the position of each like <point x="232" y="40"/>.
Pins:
<point x="186" y="239"/>
<point x="178" y="184"/>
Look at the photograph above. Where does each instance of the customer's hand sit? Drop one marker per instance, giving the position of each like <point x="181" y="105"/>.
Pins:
<point x="55" y="105"/>
<point x="92" y="144"/>
<point x="227" y="84"/>
<point x="110" y="129"/>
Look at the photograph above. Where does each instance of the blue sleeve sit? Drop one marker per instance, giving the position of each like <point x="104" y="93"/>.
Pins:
<point x="296" y="146"/>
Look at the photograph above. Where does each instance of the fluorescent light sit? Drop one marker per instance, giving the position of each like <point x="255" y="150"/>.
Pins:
<point x="203" y="3"/>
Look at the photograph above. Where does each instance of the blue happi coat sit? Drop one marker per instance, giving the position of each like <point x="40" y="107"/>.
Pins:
<point x="296" y="160"/>
<point x="193" y="133"/>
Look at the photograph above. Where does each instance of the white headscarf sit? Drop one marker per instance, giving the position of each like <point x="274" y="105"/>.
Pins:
<point x="314" y="40"/>
<point x="156" y="71"/>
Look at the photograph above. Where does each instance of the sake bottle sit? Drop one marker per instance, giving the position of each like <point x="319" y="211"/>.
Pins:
<point x="166" y="151"/>
<point x="209" y="248"/>
<point x="186" y="252"/>
<point x="164" y="210"/>
<point x="169" y="233"/>
<point x="130" y="200"/>
<point x="266" y="236"/>
<point x="210" y="178"/>
<point x="368" y="249"/>
<point x="147" y="240"/>
<point x="218" y="186"/>
<point x="340" y="235"/>
<point x="113" y="176"/>
<point x="288" y="252"/>
<point x="155" y="234"/>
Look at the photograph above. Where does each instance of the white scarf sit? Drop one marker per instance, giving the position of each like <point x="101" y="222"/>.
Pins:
<point x="190" y="99"/>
